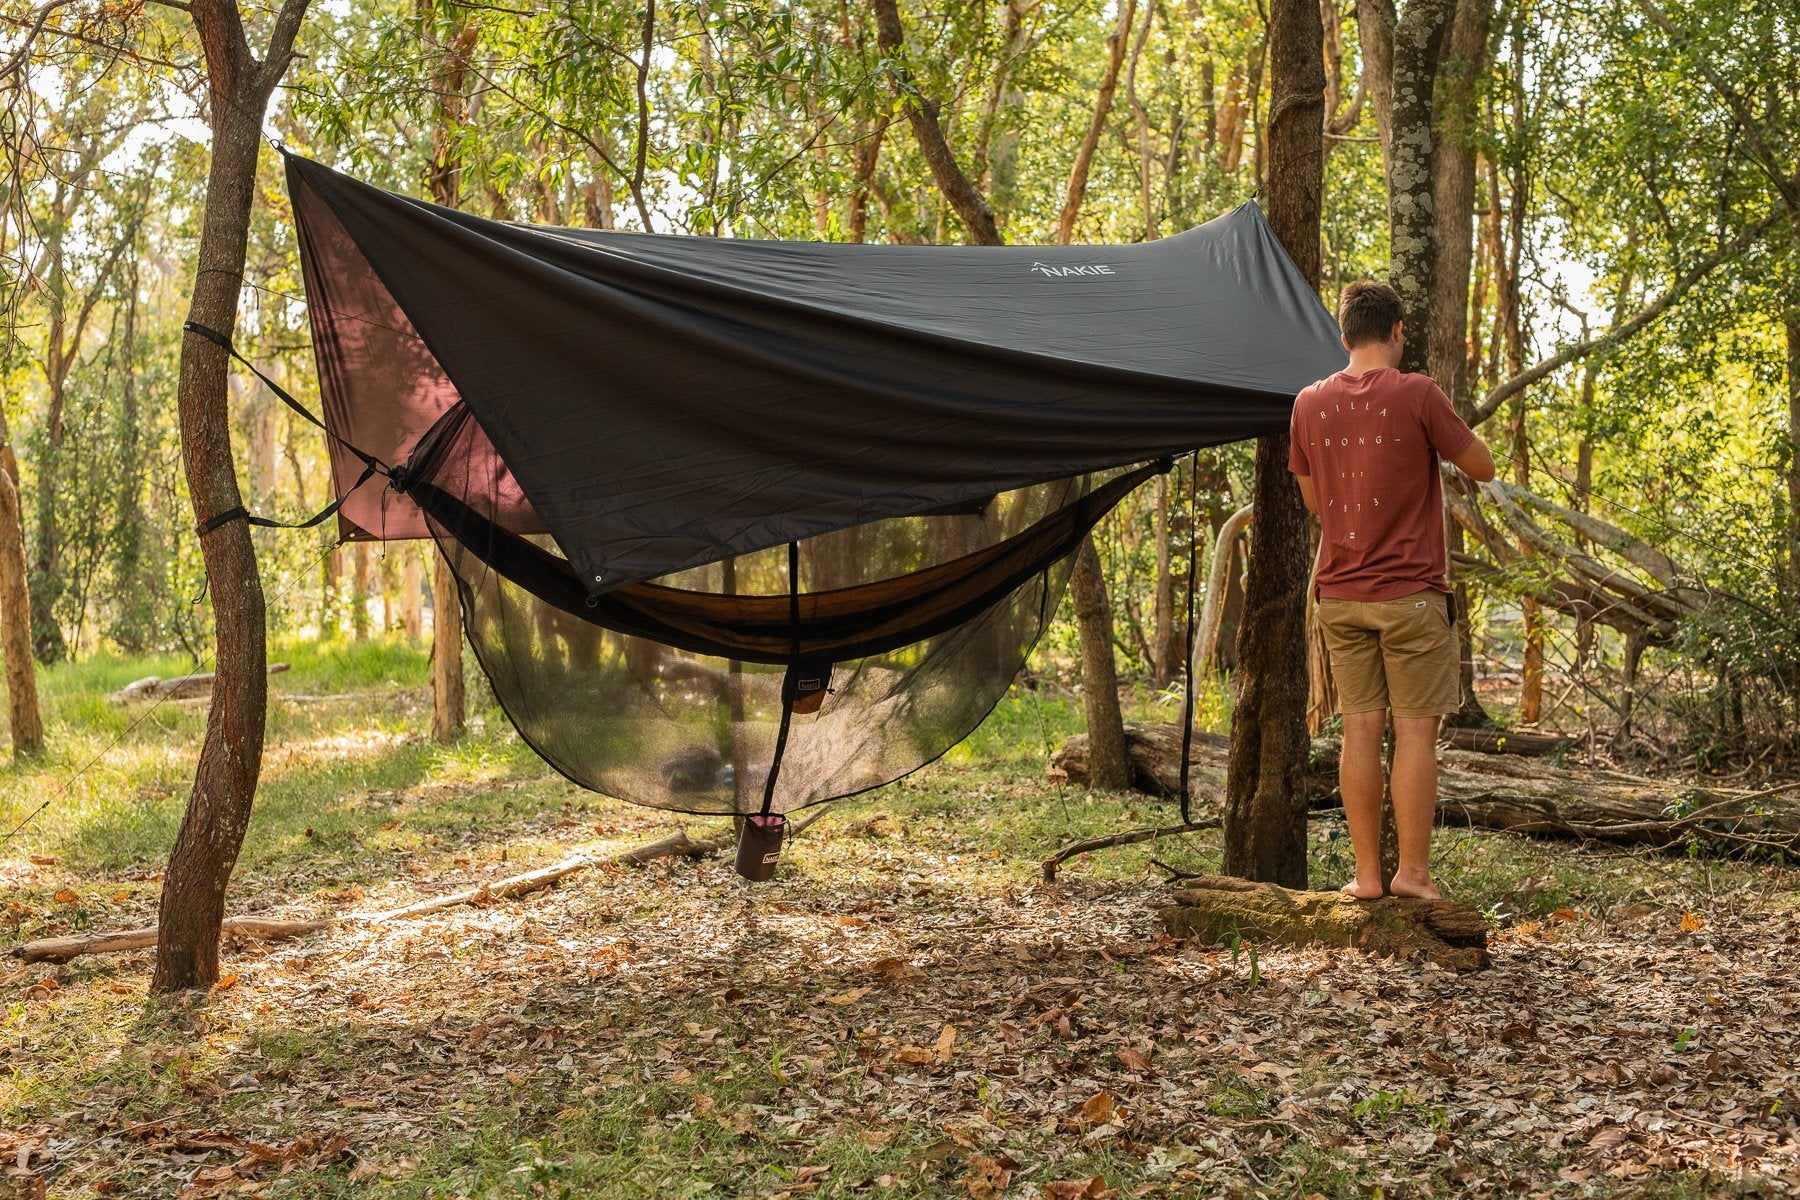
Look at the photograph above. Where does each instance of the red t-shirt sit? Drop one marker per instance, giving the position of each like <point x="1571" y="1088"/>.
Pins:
<point x="1371" y="444"/>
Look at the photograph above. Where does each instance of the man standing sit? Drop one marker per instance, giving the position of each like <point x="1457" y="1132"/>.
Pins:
<point x="1365" y="448"/>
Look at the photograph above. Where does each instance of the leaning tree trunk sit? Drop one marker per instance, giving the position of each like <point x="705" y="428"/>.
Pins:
<point x="1265" y="794"/>
<point x="218" y="812"/>
<point x="1109" y="767"/>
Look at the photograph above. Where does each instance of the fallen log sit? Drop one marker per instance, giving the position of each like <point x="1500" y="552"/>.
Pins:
<point x="153" y="687"/>
<point x="1502" y="791"/>
<point x="62" y="949"/>
<point x="1155" y="755"/>
<point x="1217" y="908"/>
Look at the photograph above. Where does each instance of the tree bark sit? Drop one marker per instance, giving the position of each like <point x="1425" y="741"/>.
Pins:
<point x="26" y="723"/>
<point x="1375" y="20"/>
<point x="1265" y="795"/>
<point x="1412" y="226"/>
<point x="1793" y="472"/>
<point x="970" y="206"/>
<point x="448" y="694"/>
<point x="1099" y="676"/>
<point x="218" y="812"/>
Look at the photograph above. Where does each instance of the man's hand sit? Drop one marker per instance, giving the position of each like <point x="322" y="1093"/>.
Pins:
<point x="1476" y="461"/>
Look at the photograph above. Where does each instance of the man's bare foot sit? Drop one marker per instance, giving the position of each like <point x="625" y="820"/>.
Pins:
<point x="1357" y="890"/>
<point x="1418" y="886"/>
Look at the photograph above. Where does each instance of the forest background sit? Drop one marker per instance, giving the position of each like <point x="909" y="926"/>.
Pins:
<point x="1620" y="313"/>
<point x="1610" y="227"/>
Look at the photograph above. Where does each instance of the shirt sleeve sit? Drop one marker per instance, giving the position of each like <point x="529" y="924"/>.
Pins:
<point x="1447" y="432"/>
<point x="1298" y="463"/>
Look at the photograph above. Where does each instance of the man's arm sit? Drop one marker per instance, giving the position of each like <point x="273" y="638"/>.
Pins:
<point x="1312" y="501"/>
<point x="1476" y="461"/>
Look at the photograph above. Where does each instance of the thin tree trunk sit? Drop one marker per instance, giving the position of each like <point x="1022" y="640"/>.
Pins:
<point x="1265" y="789"/>
<point x="922" y="112"/>
<point x="1165" y="636"/>
<point x="1099" y="676"/>
<point x="15" y="629"/>
<point x="218" y="812"/>
<point x="1456" y="113"/>
<point x="412" y="594"/>
<point x="1375" y="20"/>
<point x="1076" y="190"/>
<point x="443" y="180"/>
<point x="448" y="695"/>
<point x="1793" y="474"/>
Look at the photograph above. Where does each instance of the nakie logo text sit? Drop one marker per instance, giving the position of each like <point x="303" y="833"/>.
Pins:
<point x="1084" y="269"/>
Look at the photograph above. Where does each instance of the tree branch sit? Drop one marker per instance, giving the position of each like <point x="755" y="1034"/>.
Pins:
<point x="1574" y="352"/>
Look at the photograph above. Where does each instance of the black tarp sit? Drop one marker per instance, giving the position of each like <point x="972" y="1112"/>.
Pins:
<point x="856" y="474"/>
<point x="664" y="402"/>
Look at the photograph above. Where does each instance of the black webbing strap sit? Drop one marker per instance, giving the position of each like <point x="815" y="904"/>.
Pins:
<point x="375" y="465"/>
<point x="371" y="465"/>
<point x="1187" y="709"/>
<point x="232" y="514"/>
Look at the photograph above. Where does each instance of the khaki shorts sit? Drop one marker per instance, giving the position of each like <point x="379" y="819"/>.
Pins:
<point x="1400" y="654"/>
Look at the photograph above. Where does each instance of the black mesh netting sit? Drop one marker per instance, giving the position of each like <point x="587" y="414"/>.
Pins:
<point x="672" y="694"/>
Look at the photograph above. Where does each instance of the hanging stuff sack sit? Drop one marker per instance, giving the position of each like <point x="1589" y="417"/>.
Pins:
<point x="759" y="846"/>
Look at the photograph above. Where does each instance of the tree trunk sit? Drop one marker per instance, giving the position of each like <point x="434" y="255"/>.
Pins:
<point x="1265" y="795"/>
<point x="922" y="112"/>
<point x="1166" y="638"/>
<point x="1103" y="100"/>
<point x="1109" y="767"/>
<point x="218" y="812"/>
<point x="412" y="594"/>
<point x="1412" y="225"/>
<point x="1375" y="20"/>
<point x="443" y="179"/>
<point x="447" y="691"/>
<point x="15" y="629"/>
<point x="1793" y="473"/>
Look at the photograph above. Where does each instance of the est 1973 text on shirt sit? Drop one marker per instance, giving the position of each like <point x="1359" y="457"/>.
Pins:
<point x="1371" y="444"/>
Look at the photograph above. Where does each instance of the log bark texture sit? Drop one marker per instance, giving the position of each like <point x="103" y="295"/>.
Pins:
<point x="218" y="812"/>
<point x="1218" y="908"/>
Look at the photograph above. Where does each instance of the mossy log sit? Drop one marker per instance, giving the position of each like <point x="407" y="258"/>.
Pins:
<point x="1496" y="791"/>
<point x="1217" y="908"/>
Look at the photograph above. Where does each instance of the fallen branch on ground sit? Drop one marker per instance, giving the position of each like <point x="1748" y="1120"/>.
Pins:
<point x="62" y="949"/>
<point x="1130" y="838"/>
<point x="153" y="687"/>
